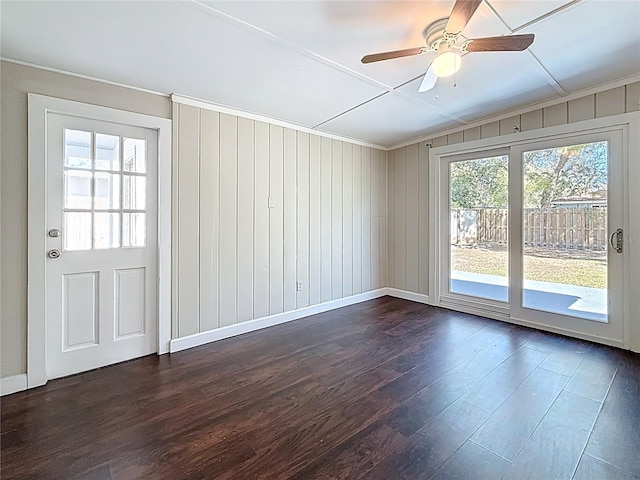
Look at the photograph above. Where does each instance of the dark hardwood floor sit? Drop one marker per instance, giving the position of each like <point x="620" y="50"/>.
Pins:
<point x="386" y="389"/>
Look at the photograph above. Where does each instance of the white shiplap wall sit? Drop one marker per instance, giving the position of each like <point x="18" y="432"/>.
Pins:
<point x="235" y="259"/>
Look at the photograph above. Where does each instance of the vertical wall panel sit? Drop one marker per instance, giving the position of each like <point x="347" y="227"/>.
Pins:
<point x="228" y="219"/>
<point x="489" y="130"/>
<point x="555" y="115"/>
<point x="276" y="219"/>
<point x="315" y="230"/>
<point x="423" y="219"/>
<point x="440" y="141"/>
<point x="209" y="217"/>
<point x="259" y="207"/>
<point x="290" y="213"/>
<point x="261" y="223"/>
<point x="347" y="220"/>
<point x="412" y="219"/>
<point x="326" y="210"/>
<point x="336" y="220"/>
<point x="400" y="220"/>
<point x="454" y="138"/>
<point x="471" y="134"/>
<point x="366" y="219"/>
<point x="384" y="213"/>
<point x="633" y="97"/>
<point x="507" y="125"/>
<point x="375" y="199"/>
<point x="302" y="202"/>
<point x="187" y="281"/>
<point x="583" y="108"/>
<point x="610" y="102"/>
<point x="246" y="202"/>
<point x="531" y="120"/>
<point x="391" y="219"/>
<point x="357" y="219"/>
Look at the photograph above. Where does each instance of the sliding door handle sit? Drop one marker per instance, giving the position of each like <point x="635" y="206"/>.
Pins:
<point x="618" y="235"/>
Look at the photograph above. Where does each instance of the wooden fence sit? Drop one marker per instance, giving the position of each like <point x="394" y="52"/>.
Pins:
<point x="553" y="228"/>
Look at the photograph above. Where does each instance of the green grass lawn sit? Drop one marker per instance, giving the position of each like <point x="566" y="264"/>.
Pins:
<point x="542" y="265"/>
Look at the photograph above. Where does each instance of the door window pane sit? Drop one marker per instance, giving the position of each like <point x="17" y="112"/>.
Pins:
<point x="107" y="152"/>
<point x="134" y="230"/>
<point x="565" y="230"/>
<point x="134" y="192"/>
<point x="77" y="231"/>
<point x="479" y="217"/>
<point x="106" y="230"/>
<point x="77" y="149"/>
<point x="107" y="191"/>
<point x="134" y="155"/>
<point x="77" y="189"/>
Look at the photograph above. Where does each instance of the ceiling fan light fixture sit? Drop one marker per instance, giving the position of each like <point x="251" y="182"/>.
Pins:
<point x="446" y="64"/>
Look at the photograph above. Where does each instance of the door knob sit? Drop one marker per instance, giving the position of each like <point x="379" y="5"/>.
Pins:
<point x="54" y="233"/>
<point x="55" y="253"/>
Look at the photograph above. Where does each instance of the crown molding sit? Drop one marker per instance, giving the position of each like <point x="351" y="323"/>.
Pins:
<point x="194" y="102"/>
<point x="84" y="77"/>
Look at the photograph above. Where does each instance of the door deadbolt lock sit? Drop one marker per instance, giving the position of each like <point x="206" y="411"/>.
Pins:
<point x="54" y="233"/>
<point x="55" y="253"/>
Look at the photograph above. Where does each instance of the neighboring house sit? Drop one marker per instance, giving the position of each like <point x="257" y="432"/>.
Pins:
<point x="586" y="200"/>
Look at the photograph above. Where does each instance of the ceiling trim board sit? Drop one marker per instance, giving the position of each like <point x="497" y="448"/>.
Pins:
<point x="546" y="15"/>
<point x="289" y="44"/>
<point x="84" y="77"/>
<point x="550" y="78"/>
<point x="519" y="111"/>
<point x="194" y="102"/>
<point x="428" y="106"/>
<point x="350" y="109"/>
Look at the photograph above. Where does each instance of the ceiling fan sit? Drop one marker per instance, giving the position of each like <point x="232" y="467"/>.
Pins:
<point x="443" y="41"/>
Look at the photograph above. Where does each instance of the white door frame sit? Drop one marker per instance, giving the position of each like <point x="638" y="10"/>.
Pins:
<point x="628" y="122"/>
<point x="39" y="108"/>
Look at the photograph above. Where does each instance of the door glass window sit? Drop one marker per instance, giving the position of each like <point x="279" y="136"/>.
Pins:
<point x="565" y="230"/>
<point x="105" y="194"/>
<point x="479" y="222"/>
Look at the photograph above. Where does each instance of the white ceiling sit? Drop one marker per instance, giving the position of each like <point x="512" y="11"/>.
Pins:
<point x="299" y="61"/>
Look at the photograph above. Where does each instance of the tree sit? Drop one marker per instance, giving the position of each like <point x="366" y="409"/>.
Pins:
<point x="562" y="172"/>
<point x="481" y="183"/>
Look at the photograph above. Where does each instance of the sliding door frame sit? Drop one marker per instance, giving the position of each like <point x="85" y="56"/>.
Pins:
<point x="439" y="159"/>
<point x="448" y="298"/>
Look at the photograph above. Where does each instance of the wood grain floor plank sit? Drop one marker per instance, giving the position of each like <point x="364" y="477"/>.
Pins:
<point x="471" y="462"/>
<point x="383" y="389"/>
<point x="590" y="468"/>
<point x="557" y="443"/>
<point x="507" y="430"/>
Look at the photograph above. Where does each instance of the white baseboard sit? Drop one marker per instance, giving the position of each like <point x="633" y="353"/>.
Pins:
<point x="202" y="338"/>
<point x="415" y="297"/>
<point x="9" y="385"/>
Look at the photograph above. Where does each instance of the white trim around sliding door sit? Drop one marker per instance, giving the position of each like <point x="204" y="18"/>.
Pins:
<point x="438" y="218"/>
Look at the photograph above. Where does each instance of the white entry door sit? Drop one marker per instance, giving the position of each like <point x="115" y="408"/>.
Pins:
<point x="101" y="228"/>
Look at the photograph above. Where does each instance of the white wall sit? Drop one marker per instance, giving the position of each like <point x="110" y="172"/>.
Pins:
<point x="235" y="259"/>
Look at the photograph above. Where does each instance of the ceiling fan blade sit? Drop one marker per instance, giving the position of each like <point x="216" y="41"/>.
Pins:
<point x="462" y="12"/>
<point x="511" y="43"/>
<point x="408" y="52"/>
<point x="429" y="80"/>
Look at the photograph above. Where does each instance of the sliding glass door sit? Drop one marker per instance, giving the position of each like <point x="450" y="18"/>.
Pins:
<point x="479" y="227"/>
<point x="567" y="195"/>
<point x="534" y="232"/>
